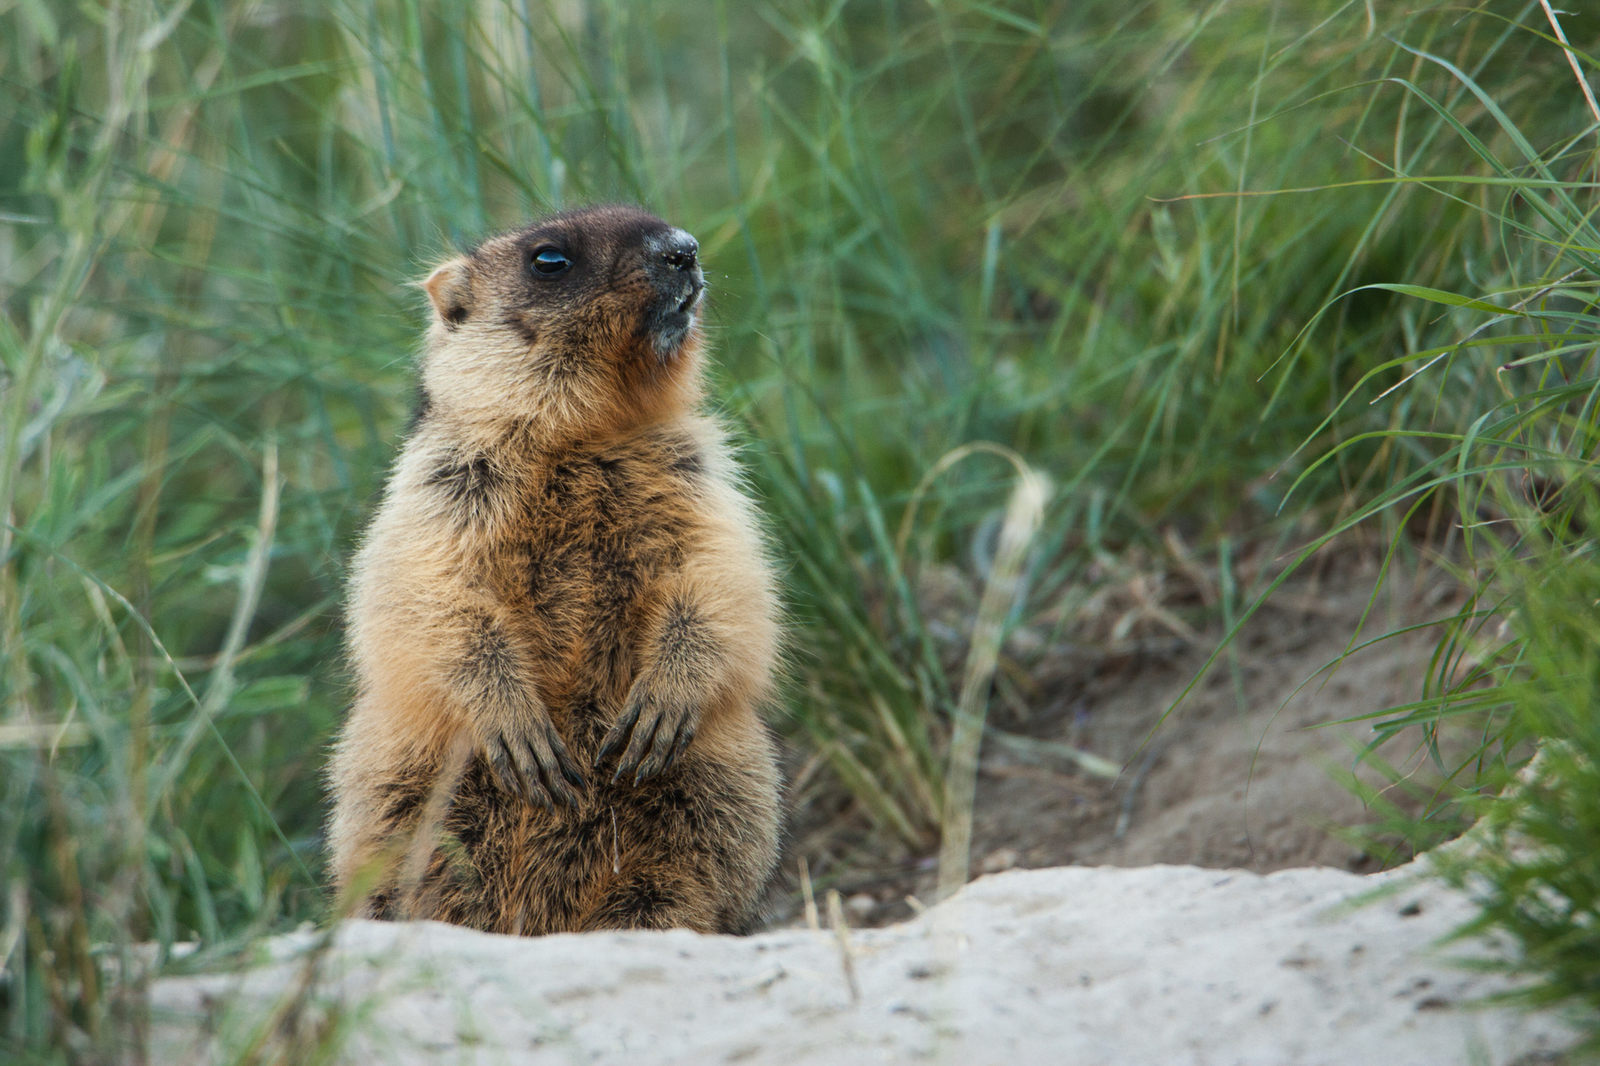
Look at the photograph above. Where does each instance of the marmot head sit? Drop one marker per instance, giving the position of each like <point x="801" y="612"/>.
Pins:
<point x="582" y="323"/>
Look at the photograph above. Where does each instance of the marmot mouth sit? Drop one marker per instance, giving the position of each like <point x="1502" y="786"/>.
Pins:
<point x="692" y="298"/>
<point x="672" y="324"/>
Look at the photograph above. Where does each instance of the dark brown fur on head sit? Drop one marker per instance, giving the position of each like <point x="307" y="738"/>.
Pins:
<point x="582" y="322"/>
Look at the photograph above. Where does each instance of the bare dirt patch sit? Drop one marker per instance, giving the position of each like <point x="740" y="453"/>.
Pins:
<point x="1247" y="774"/>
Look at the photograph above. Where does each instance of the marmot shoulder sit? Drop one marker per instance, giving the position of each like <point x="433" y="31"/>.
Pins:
<point x="562" y="622"/>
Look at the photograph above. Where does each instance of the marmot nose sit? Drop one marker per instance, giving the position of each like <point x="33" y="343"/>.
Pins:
<point x="680" y="250"/>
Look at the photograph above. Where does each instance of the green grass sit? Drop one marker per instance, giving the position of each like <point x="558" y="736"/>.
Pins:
<point x="925" y="226"/>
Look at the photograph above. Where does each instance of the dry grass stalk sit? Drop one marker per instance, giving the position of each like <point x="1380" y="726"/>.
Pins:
<point x="49" y="735"/>
<point x="847" y="955"/>
<point x="1583" y="82"/>
<point x="425" y="841"/>
<point x="810" y="900"/>
<point x="252" y="579"/>
<point x="1024" y="512"/>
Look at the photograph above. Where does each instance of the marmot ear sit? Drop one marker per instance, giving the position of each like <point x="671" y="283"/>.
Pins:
<point x="450" y="289"/>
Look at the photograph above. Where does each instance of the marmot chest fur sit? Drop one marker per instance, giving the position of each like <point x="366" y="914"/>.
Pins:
<point x="562" y="622"/>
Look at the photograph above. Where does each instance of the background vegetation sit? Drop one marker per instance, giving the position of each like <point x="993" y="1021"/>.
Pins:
<point x="1030" y="222"/>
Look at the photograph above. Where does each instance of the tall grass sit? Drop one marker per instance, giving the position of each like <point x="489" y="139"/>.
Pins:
<point x="1510" y="369"/>
<point x="1492" y="405"/>
<point x="925" y="225"/>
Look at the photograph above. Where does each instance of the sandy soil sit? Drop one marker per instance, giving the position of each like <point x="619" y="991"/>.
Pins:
<point x="1247" y="774"/>
<point x="1095" y="967"/>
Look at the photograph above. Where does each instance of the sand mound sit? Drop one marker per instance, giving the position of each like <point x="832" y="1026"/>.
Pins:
<point x="1160" y="965"/>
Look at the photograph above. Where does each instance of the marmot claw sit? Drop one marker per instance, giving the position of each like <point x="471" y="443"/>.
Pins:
<point x="657" y="732"/>
<point x="534" y="765"/>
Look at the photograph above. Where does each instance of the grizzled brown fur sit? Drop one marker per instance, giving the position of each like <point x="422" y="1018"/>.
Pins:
<point x="562" y="621"/>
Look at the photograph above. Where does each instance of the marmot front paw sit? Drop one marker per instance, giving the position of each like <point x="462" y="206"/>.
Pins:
<point x="529" y="759"/>
<point x="661" y="728"/>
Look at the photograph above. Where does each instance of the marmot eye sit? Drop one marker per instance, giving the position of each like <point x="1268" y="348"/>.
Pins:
<point x="550" y="261"/>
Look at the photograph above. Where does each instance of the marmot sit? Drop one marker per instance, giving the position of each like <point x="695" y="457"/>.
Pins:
<point x="562" y="621"/>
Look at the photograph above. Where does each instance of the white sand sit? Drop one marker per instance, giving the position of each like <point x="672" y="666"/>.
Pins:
<point x="1161" y="965"/>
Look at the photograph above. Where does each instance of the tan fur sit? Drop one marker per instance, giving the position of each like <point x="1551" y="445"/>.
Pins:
<point x="563" y="585"/>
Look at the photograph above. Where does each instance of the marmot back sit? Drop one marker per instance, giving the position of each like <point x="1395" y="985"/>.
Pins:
<point x="561" y="621"/>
